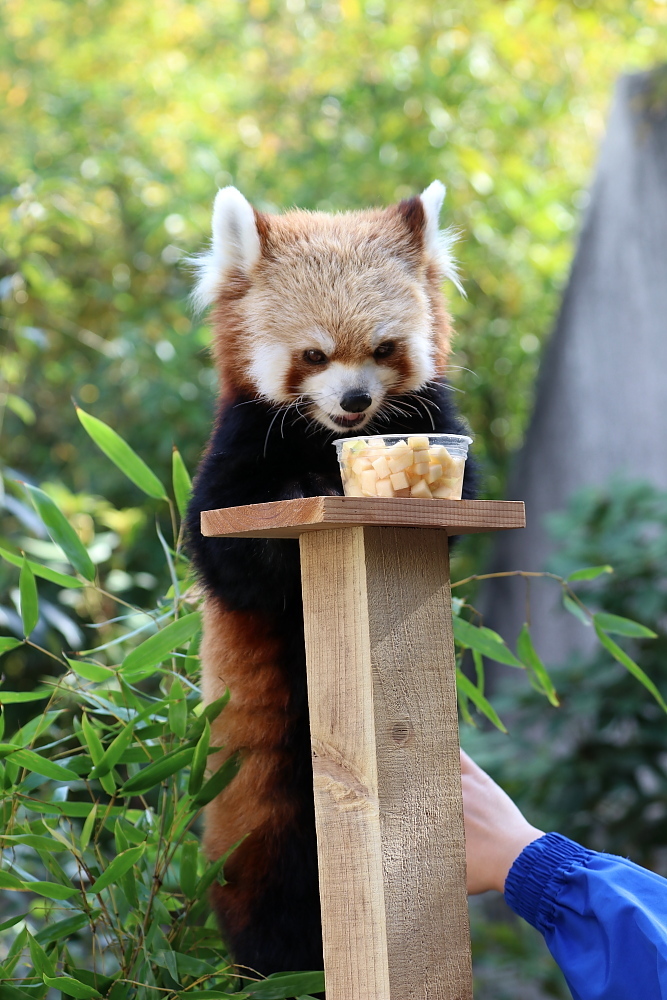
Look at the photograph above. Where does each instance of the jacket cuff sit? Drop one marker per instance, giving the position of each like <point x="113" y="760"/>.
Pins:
<point x="538" y="864"/>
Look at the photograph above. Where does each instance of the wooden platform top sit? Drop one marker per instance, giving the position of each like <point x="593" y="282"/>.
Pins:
<point x="290" y="518"/>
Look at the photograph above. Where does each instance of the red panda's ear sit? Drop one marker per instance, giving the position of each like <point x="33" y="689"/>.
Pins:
<point x="422" y="217"/>
<point x="237" y="232"/>
<point x="412" y="212"/>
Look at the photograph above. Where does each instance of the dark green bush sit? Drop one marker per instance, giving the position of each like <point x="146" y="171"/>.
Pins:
<point x="596" y="770"/>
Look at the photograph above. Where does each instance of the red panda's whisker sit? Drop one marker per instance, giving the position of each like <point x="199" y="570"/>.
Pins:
<point x="266" y="439"/>
<point x="246" y="402"/>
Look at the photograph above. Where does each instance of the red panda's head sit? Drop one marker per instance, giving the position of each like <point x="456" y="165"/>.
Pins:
<point x="334" y="314"/>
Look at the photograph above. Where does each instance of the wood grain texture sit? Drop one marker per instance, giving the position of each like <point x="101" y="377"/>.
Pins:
<point x="419" y="772"/>
<point x="387" y="781"/>
<point x="291" y="518"/>
<point x="344" y="765"/>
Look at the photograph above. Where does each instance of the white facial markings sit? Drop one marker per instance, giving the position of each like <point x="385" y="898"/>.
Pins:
<point x="420" y="351"/>
<point x="327" y="387"/>
<point x="268" y="367"/>
<point x="384" y="331"/>
<point x="320" y="340"/>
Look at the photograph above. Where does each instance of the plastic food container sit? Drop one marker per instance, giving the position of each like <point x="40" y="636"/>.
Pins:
<point x="403" y="465"/>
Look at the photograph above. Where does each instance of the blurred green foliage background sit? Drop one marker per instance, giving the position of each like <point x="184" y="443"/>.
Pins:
<point x="121" y="119"/>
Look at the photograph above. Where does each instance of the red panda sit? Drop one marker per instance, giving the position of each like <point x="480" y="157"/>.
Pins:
<point x="323" y="325"/>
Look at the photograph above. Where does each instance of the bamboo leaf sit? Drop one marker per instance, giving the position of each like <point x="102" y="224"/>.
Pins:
<point x="576" y="610"/>
<point x="117" y="868"/>
<point x="209" y="712"/>
<point x="157" y="647"/>
<point x="92" y="739"/>
<point x="96" y="751"/>
<point x="178" y="709"/>
<point x="622" y="657"/>
<point x="7" y="924"/>
<point x="181" y="481"/>
<point x="590" y="573"/>
<point x="71" y="987"/>
<point x="40" y="765"/>
<point x="189" y="856"/>
<point x="87" y="829"/>
<point x="154" y="773"/>
<point x="485" y="641"/>
<point x="123" y="457"/>
<point x="283" y="985"/>
<point x="9" y="881"/>
<point x="8" y="642"/>
<point x="528" y="655"/>
<point x="62" y="579"/>
<point x="9" y="992"/>
<point x="50" y="890"/>
<point x="62" y="532"/>
<point x="478" y="660"/>
<point x="218" y="781"/>
<point x="29" y="598"/>
<point x="622" y="626"/>
<point x="464" y="708"/>
<point x="35" y="840"/>
<point x="63" y="928"/>
<point x="478" y="700"/>
<point x="113" y="752"/>
<point x="198" y="766"/>
<point x="40" y="960"/>
<point x="91" y="671"/>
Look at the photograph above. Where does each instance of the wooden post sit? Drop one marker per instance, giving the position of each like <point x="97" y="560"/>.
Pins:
<point x="384" y="729"/>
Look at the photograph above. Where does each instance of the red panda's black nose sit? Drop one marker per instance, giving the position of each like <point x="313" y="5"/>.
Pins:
<point x="355" y="401"/>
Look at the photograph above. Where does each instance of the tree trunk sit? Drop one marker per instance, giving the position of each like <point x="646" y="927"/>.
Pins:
<point x="601" y="402"/>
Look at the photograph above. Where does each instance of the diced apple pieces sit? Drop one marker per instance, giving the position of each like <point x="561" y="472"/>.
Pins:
<point x="353" y="489"/>
<point x="440" y="454"/>
<point x="399" y="447"/>
<point x="401" y="461"/>
<point x="421" y="490"/>
<point x="381" y="466"/>
<point x="370" y="468"/>
<point x="384" y="488"/>
<point x="399" y="481"/>
<point x="368" y="481"/>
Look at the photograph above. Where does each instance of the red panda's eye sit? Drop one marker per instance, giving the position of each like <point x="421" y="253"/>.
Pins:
<point x="315" y="357"/>
<point x="384" y="350"/>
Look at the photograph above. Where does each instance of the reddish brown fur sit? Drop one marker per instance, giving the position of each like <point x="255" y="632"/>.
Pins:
<point x="240" y="653"/>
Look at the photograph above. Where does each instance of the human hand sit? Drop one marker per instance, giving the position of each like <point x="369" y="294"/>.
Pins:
<point x="496" y="831"/>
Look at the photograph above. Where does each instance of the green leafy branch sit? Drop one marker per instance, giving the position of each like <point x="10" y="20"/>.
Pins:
<point x="484" y="642"/>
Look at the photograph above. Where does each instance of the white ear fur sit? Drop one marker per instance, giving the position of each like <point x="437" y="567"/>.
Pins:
<point x="234" y="245"/>
<point x="439" y="242"/>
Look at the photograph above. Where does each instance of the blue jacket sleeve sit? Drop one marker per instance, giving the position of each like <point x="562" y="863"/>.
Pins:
<point x="604" y="918"/>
